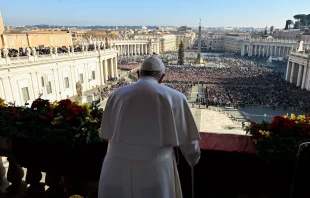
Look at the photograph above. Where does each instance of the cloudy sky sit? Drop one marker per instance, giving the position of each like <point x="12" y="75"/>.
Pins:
<point x="213" y="13"/>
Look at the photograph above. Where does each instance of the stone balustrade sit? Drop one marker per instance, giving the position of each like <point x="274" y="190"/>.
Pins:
<point x="37" y="58"/>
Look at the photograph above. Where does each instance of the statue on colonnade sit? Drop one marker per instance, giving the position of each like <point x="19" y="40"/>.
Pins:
<point x="28" y="51"/>
<point x="79" y="90"/>
<point x="33" y="51"/>
<point x="5" y="52"/>
<point x="55" y="50"/>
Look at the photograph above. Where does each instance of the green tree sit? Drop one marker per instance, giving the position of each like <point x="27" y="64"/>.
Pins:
<point x="297" y="25"/>
<point x="288" y="24"/>
<point x="299" y="16"/>
<point x="181" y="54"/>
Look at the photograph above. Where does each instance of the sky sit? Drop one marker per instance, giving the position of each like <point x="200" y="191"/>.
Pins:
<point x="213" y="13"/>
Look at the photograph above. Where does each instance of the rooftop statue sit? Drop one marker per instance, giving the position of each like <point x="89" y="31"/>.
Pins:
<point x="5" y="52"/>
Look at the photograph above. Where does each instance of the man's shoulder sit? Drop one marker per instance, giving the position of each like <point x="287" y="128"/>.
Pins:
<point x="172" y="92"/>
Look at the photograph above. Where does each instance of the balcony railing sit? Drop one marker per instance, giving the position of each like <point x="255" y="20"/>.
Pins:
<point x="228" y="164"/>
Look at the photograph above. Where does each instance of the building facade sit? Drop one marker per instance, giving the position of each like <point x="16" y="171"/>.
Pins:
<point x="298" y="69"/>
<point x="268" y="47"/>
<point x="38" y="38"/>
<point x="136" y="46"/>
<point x="54" y="76"/>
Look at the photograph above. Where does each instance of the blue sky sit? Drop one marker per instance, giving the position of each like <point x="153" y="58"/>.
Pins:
<point x="214" y="13"/>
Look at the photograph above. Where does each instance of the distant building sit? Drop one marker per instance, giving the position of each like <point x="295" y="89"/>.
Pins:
<point x="37" y="38"/>
<point x="271" y="29"/>
<point x="287" y="34"/>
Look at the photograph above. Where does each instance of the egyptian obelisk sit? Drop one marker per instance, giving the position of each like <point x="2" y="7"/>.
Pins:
<point x="199" y="59"/>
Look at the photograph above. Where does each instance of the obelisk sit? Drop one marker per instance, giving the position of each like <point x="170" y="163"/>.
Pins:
<point x="199" y="59"/>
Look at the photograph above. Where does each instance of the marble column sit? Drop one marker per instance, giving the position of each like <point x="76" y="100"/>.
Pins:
<point x="115" y="66"/>
<point x="288" y="71"/>
<point x="105" y="70"/>
<point x="142" y="50"/>
<point x="292" y="73"/>
<point x="127" y="52"/>
<point x="242" y="50"/>
<point x="111" y="67"/>
<point x="304" y="76"/>
<point x="299" y="77"/>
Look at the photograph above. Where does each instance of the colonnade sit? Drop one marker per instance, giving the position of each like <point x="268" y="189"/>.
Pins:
<point x="266" y="50"/>
<point x="298" y="71"/>
<point x="136" y="47"/>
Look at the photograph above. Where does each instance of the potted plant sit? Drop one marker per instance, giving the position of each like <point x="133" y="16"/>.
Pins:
<point x="52" y="136"/>
<point x="277" y="144"/>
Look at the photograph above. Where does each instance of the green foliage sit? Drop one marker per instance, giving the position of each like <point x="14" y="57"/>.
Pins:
<point x="63" y="122"/>
<point x="301" y="20"/>
<point x="288" y="24"/>
<point x="181" y="54"/>
<point x="280" y="139"/>
<point x="297" y="24"/>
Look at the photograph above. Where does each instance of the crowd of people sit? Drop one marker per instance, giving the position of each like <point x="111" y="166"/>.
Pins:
<point x="129" y="63"/>
<point x="106" y="91"/>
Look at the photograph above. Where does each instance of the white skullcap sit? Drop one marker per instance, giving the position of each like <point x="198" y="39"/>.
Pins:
<point x="152" y="64"/>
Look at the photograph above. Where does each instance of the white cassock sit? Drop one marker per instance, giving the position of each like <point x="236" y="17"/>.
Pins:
<point x="143" y="122"/>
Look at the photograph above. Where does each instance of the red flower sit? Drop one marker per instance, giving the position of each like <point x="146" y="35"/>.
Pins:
<point x="39" y="103"/>
<point x="281" y="124"/>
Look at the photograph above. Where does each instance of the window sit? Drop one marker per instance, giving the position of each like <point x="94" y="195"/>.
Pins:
<point x="12" y="42"/>
<point x="25" y="93"/>
<point x="81" y="78"/>
<point x="49" y="87"/>
<point x="93" y="75"/>
<point x="23" y="41"/>
<point x="53" y="40"/>
<point x="42" y="81"/>
<point x="66" y="82"/>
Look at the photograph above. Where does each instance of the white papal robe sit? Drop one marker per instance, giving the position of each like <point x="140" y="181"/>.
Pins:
<point x="143" y="122"/>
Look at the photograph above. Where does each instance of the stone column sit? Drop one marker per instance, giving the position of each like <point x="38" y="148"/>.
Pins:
<point x="145" y="48"/>
<point x="299" y="78"/>
<point x="111" y="67"/>
<point x="157" y="45"/>
<point x="288" y="71"/>
<point x="142" y="50"/>
<point x="135" y="49"/>
<point x="105" y="70"/>
<point x="303" y="83"/>
<point x="242" y="50"/>
<point x="128" y="52"/>
<point x="150" y="49"/>
<point x="307" y="83"/>
<point x="115" y="66"/>
<point x="292" y="73"/>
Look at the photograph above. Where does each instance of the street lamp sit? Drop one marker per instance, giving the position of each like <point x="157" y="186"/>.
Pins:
<point x="264" y="117"/>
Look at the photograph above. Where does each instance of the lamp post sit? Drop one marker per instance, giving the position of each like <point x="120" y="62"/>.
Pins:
<point x="264" y="117"/>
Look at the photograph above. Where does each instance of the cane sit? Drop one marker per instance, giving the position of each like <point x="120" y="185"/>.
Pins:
<point x="193" y="189"/>
<point x="295" y="170"/>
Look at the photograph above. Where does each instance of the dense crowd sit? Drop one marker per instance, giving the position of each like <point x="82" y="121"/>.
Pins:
<point x="243" y="81"/>
<point x="106" y="91"/>
<point x="129" y="63"/>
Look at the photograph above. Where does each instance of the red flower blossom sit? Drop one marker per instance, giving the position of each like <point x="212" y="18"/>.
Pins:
<point x="281" y="124"/>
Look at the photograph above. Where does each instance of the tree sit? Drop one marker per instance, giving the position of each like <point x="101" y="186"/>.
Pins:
<point x="181" y="54"/>
<point x="297" y="25"/>
<point x="299" y="16"/>
<point x="288" y="24"/>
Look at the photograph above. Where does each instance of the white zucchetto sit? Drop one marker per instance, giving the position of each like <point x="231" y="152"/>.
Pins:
<point x="152" y="64"/>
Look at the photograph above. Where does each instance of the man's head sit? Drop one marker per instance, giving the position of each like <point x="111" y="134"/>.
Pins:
<point x="153" y="67"/>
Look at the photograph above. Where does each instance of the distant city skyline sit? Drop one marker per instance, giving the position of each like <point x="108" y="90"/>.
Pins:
<point x="220" y="13"/>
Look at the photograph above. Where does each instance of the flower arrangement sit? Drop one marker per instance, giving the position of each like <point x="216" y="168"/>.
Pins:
<point x="64" y="122"/>
<point x="281" y="138"/>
